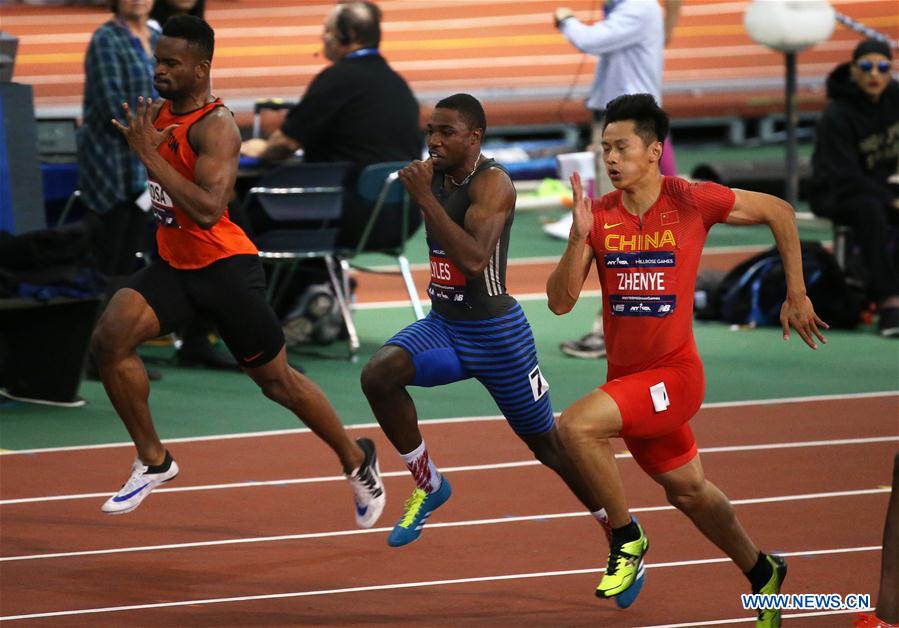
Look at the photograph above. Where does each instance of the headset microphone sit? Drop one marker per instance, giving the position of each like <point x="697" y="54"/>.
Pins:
<point x="342" y="28"/>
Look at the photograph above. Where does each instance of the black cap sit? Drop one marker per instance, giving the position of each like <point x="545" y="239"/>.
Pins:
<point x="872" y="45"/>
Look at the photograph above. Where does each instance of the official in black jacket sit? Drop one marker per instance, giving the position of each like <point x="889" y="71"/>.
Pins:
<point x="856" y="166"/>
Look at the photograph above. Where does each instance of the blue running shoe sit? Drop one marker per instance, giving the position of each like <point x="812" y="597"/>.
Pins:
<point x="628" y="596"/>
<point x="417" y="510"/>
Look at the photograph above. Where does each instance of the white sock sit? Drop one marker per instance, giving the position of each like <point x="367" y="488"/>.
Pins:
<point x="423" y="470"/>
<point x="603" y="518"/>
<point x="601" y="515"/>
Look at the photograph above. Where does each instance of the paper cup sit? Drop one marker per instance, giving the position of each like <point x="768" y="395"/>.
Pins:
<point x="584" y="163"/>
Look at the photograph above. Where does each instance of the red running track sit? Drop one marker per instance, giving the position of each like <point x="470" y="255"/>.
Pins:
<point x="511" y="547"/>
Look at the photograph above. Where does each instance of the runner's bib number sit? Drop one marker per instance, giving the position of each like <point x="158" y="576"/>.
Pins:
<point x="163" y="208"/>
<point x="447" y="281"/>
<point x="641" y="283"/>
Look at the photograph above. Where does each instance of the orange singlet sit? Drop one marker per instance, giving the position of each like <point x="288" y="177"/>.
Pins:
<point x="182" y="243"/>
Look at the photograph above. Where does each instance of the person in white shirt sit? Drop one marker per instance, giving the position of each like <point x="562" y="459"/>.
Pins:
<point x="630" y="43"/>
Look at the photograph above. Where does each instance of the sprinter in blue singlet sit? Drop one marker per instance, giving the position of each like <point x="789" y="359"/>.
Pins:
<point x="475" y="328"/>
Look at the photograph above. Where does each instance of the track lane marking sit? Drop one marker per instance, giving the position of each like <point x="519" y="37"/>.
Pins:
<point x="456" y="469"/>
<point x="431" y="525"/>
<point x="474" y="419"/>
<point x="410" y="585"/>
<point x="747" y="620"/>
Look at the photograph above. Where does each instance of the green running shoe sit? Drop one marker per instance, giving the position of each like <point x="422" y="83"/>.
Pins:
<point x="624" y="567"/>
<point x="770" y="618"/>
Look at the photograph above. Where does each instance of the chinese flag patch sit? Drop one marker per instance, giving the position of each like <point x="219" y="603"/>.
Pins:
<point x="670" y="218"/>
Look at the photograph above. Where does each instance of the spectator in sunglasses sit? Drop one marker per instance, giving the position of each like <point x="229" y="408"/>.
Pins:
<point x="855" y="169"/>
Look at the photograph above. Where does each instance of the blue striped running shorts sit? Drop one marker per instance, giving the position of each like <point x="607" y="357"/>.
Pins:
<point x="498" y="352"/>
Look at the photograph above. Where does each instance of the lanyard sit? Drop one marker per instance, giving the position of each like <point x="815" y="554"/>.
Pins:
<point x="362" y="52"/>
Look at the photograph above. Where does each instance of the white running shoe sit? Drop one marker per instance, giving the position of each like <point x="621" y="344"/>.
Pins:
<point x="561" y="228"/>
<point x="368" y="490"/>
<point x="139" y="485"/>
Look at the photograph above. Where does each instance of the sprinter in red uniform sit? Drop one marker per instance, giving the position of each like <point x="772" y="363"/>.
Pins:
<point x="645" y="239"/>
<point x="190" y="145"/>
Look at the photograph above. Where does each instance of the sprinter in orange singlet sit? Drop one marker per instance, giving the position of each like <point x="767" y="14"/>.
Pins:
<point x="190" y="145"/>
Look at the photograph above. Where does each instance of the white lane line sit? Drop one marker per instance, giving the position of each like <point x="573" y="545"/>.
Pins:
<point x="410" y="585"/>
<point x="809" y="399"/>
<point x="447" y="524"/>
<point x="457" y="469"/>
<point x="751" y="619"/>
<point x="282" y="482"/>
<point x="448" y="420"/>
<point x="799" y="444"/>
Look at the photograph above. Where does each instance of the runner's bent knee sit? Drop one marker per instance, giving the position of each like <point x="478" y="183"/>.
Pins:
<point x="686" y="499"/>
<point x="684" y="488"/>
<point x="282" y="391"/>
<point x="593" y="416"/>
<point x="126" y="322"/>
<point x="389" y="369"/>
<point x="576" y="422"/>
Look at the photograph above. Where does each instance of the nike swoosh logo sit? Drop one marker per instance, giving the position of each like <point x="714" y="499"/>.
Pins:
<point x="121" y="498"/>
<point x="252" y="357"/>
<point x="608" y="226"/>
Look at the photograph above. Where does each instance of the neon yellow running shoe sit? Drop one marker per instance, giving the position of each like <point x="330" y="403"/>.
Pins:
<point x="770" y="618"/>
<point x="625" y="565"/>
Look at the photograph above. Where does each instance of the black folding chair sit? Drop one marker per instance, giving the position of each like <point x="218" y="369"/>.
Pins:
<point x="379" y="186"/>
<point x="302" y="204"/>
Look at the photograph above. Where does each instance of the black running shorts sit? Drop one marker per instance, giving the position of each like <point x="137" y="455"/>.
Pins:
<point x="229" y="292"/>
